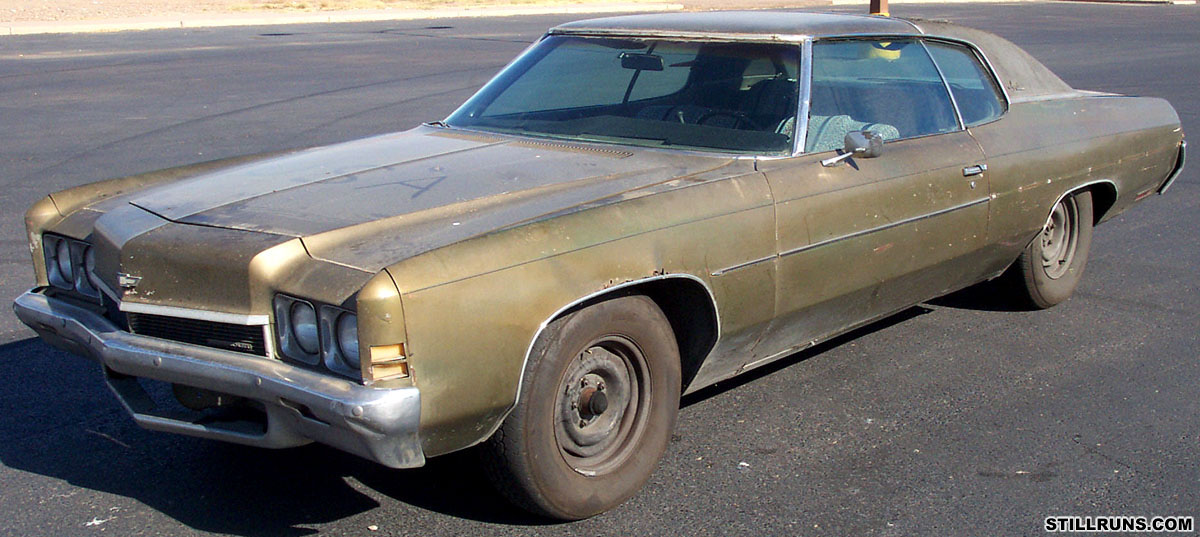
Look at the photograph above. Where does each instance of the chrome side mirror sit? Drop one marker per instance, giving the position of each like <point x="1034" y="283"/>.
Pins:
<point x="865" y="144"/>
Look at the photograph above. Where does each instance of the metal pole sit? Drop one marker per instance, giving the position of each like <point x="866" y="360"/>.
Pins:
<point x="879" y="7"/>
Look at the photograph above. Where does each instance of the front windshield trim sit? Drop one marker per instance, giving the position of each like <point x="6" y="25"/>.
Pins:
<point x="681" y="35"/>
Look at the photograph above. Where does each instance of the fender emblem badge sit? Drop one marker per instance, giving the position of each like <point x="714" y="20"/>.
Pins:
<point x="126" y="281"/>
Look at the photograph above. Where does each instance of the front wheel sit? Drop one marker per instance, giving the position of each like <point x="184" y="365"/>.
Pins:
<point x="1050" y="268"/>
<point x="595" y="411"/>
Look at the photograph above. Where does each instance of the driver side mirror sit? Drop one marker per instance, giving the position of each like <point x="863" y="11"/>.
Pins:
<point x="864" y="144"/>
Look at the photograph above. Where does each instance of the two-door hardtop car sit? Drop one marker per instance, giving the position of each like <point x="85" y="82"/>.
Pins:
<point x="636" y="207"/>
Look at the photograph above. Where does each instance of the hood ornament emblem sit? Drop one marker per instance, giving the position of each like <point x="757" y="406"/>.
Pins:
<point x="127" y="281"/>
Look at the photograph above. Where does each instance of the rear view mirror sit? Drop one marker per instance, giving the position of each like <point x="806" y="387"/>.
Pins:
<point x="641" y="62"/>
<point x="864" y="144"/>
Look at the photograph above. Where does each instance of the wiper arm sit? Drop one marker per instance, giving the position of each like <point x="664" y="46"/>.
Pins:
<point x="594" y="137"/>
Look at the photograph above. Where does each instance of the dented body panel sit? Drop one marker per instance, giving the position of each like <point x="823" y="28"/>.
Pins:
<point x="455" y="248"/>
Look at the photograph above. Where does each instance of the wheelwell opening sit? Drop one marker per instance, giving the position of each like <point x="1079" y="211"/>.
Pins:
<point x="690" y="310"/>
<point x="1104" y="195"/>
<point x="693" y="318"/>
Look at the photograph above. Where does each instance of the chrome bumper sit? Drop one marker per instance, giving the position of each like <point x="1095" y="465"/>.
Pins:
<point x="301" y="405"/>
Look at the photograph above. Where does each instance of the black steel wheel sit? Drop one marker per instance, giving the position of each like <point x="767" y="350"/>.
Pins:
<point x="595" y="411"/>
<point x="1051" y="266"/>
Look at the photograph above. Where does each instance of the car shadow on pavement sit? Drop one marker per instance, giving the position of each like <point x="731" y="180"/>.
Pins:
<point x="800" y="356"/>
<point x="61" y="422"/>
<point x="991" y="295"/>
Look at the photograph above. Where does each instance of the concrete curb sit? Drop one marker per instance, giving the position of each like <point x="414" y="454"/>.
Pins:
<point x="273" y="19"/>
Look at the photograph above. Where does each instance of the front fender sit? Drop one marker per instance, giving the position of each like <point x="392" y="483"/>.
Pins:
<point x="473" y="309"/>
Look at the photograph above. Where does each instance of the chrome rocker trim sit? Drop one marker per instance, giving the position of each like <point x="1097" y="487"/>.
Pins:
<point x="301" y="405"/>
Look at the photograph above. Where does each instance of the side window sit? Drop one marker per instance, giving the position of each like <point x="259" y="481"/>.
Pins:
<point x="888" y="87"/>
<point x="974" y="89"/>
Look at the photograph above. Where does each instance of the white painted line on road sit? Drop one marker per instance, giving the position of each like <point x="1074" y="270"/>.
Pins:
<point x="275" y="19"/>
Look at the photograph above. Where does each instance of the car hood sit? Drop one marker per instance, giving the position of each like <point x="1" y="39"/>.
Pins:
<point x="373" y="202"/>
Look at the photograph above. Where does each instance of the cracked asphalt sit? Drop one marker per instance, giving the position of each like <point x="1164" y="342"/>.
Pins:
<point x="952" y="418"/>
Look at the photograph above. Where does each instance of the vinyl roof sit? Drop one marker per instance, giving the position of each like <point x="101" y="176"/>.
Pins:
<point x="771" y="24"/>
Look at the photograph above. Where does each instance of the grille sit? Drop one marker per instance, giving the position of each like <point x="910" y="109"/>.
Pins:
<point x="224" y="336"/>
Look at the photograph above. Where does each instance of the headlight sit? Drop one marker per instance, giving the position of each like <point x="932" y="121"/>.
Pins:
<point x="318" y="334"/>
<point x="339" y="344"/>
<point x="50" y="246"/>
<point x="304" y="327"/>
<point x="296" y="329"/>
<point x="347" y="338"/>
<point x="71" y="265"/>
<point x="85" y="272"/>
<point x="62" y="256"/>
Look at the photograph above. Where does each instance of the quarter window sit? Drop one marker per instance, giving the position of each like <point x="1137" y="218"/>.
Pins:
<point x="974" y="89"/>
<point x="888" y="87"/>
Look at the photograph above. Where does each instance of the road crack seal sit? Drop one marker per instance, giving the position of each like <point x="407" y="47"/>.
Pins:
<point x="1096" y="451"/>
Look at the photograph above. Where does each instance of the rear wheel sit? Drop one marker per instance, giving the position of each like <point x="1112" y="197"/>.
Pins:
<point x="595" y="412"/>
<point x="1050" y="268"/>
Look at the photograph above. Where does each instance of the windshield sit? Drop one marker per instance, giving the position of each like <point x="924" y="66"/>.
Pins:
<point x="727" y="97"/>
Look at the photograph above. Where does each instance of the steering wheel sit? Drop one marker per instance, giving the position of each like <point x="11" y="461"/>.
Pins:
<point x="739" y="118"/>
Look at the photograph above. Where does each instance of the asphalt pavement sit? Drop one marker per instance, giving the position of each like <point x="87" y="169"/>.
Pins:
<point x="951" y="418"/>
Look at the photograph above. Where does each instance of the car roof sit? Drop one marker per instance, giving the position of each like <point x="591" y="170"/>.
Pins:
<point x="1022" y="76"/>
<point x="781" y="25"/>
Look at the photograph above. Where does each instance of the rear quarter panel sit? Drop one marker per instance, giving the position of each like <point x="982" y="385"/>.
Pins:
<point x="1044" y="148"/>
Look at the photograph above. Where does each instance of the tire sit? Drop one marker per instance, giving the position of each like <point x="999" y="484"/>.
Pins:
<point x="572" y="462"/>
<point x="1051" y="266"/>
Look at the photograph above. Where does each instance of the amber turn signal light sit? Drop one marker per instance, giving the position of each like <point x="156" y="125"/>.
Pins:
<point x="387" y="361"/>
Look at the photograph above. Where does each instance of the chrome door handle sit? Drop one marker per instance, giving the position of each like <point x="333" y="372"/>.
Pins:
<point x="974" y="170"/>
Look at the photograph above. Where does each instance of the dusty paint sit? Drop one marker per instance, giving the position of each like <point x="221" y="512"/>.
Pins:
<point x="460" y="245"/>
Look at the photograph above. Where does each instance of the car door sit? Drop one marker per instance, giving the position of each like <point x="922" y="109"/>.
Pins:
<point x="869" y="236"/>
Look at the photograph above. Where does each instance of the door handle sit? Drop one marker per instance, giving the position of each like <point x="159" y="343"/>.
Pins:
<point x="974" y="170"/>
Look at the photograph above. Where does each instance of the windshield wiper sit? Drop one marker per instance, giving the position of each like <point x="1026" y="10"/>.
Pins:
<point x="596" y="137"/>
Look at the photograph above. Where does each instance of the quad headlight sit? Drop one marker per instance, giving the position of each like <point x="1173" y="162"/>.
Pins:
<point x="318" y="334"/>
<point x="62" y="262"/>
<point x="347" y="339"/>
<point x="303" y="329"/>
<point x="71" y="265"/>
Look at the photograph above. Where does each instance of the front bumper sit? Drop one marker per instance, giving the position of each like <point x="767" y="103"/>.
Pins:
<point x="301" y="405"/>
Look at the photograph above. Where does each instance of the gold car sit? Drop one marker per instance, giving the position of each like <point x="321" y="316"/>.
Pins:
<point x="635" y="208"/>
